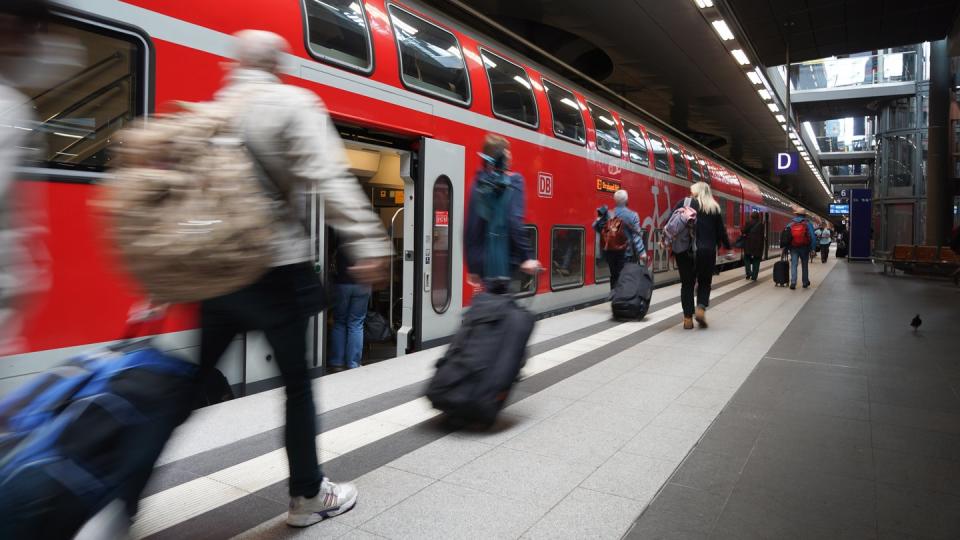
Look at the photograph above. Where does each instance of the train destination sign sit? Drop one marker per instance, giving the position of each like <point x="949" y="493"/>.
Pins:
<point x="607" y="186"/>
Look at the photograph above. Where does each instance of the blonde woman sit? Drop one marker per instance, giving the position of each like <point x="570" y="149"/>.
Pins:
<point x="696" y="265"/>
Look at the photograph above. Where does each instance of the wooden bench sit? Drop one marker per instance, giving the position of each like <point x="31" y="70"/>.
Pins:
<point x="910" y="258"/>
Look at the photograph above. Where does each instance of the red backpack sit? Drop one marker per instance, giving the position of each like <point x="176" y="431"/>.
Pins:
<point x="613" y="237"/>
<point x="800" y="235"/>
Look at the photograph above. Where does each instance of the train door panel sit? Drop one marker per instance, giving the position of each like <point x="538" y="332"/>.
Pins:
<point x="439" y="255"/>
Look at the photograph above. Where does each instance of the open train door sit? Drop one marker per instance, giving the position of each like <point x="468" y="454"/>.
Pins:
<point x="438" y="275"/>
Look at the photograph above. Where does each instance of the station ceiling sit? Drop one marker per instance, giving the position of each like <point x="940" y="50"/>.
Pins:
<point x="822" y="28"/>
<point x="661" y="55"/>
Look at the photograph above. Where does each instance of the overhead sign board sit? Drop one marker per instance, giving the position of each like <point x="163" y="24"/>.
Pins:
<point x="788" y="163"/>
<point x="839" y="209"/>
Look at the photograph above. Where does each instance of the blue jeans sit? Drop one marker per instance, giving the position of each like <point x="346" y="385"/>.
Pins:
<point x="349" y="313"/>
<point x="803" y="255"/>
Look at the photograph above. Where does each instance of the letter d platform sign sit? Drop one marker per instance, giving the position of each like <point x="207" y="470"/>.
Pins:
<point x="788" y="163"/>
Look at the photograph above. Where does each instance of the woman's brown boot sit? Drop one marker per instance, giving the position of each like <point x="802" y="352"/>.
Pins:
<point x="688" y="323"/>
<point x="701" y="316"/>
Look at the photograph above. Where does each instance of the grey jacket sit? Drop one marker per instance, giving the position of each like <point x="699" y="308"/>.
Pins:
<point x="294" y="139"/>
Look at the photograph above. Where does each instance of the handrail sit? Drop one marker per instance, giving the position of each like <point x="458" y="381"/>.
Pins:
<point x="392" y="238"/>
<point x="95" y="131"/>
<point x="82" y="73"/>
<point x="856" y="71"/>
<point x="90" y="97"/>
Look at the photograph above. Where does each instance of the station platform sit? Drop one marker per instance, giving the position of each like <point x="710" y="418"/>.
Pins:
<point x="797" y="413"/>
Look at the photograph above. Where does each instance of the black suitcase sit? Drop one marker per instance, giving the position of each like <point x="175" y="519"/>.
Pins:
<point x="841" y="250"/>
<point x="781" y="271"/>
<point x="631" y="296"/>
<point x="474" y="377"/>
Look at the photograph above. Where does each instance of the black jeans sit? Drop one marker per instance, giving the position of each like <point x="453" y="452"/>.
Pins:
<point x="270" y="305"/>
<point x="615" y="260"/>
<point x="824" y="252"/>
<point x="695" y="273"/>
<point x="752" y="264"/>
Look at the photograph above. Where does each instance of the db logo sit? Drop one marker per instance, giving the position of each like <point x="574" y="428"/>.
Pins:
<point x="545" y="185"/>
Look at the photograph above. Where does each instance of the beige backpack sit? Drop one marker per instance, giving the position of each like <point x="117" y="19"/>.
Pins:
<point x="185" y="206"/>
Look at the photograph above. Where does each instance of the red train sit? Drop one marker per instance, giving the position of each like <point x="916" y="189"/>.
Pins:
<point x="412" y="93"/>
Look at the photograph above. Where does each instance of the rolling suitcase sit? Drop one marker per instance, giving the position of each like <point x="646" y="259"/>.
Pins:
<point x="841" y="250"/>
<point x="84" y="434"/>
<point x="781" y="271"/>
<point x="474" y="377"/>
<point x="631" y="296"/>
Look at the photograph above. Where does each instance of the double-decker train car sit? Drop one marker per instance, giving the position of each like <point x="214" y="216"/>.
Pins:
<point x="413" y="94"/>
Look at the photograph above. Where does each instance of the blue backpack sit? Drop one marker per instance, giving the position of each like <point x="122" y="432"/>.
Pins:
<point x="85" y="433"/>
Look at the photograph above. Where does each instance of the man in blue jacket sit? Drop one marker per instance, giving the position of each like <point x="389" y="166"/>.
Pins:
<point x="496" y="244"/>
<point x="801" y="246"/>
<point x="635" y="250"/>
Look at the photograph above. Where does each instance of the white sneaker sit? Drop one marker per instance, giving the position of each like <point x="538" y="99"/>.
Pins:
<point x="332" y="500"/>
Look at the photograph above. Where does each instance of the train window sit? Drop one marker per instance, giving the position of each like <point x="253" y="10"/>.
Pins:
<point x="679" y="162"/>
<point x="706" y="170"/>
<point x="337" y="32"/>
<point x="441" y="268"/>
<point x="566" y="257"/>
<point x="430" y="57"/>
<point x="78" y="115"/>
<point x="523" y="284"/>
<point x="636" y="144"/>
<point x="510" y="90"/>
<point x="608" y="136"/>
<point x="660" y="160"/>
<point x="567" y="120"/>
<point x="695" y="167"/>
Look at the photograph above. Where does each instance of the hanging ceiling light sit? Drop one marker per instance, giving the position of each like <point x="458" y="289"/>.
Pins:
<point x="741" y="57"/>
<point x="722" y="29"/>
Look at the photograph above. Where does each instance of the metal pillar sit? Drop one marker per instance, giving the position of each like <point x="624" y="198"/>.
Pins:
<point x="939" y="200"/>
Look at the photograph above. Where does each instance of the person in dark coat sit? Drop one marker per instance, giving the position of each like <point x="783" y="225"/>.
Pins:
<point x="495" y="242"/>
<point x="754" y="240"/>
<point x="697" y="264"/>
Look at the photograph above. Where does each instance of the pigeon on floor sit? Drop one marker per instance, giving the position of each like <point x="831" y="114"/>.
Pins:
<point x="915" y="323"/>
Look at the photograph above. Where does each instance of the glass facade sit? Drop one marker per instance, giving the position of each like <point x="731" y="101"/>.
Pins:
<point x="901" y="169"/>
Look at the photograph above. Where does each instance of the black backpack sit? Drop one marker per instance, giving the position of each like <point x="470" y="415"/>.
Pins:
<point x="786" y="238"/>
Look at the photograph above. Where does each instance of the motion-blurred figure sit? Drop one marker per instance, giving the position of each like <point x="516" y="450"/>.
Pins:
<point x="23" y="61"/>
<point x="289" y="132"/>
<point x="496" y="244"/>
